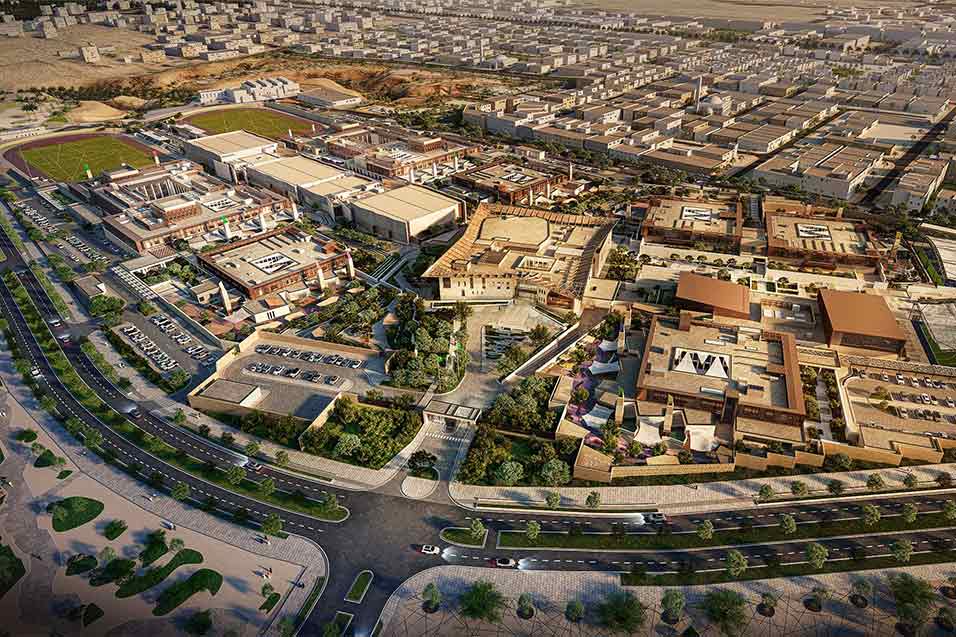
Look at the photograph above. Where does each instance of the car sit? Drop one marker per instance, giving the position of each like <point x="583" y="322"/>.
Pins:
<point x="135" y="412"/>
<point x="429" y="549"/>
<point x="255" y="466"/>
<point x="504" y="562"/>
<point x="331" y="380"/>
<point x="656" y="518"/>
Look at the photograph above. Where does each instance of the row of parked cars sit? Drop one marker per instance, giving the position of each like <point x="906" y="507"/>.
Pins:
<point x="912" y="381"/>
<point x="90" y="253"/>
<point x="291" y="372"/>
<point x="160" y="358"/>
<point x="36" y="217"/>
<point x="172" y="330"/>
<point x="311" y="357"/>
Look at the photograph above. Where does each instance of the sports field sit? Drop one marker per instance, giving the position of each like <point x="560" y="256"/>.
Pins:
<point x="64" y="161"/>
<point x="260" y="121"/>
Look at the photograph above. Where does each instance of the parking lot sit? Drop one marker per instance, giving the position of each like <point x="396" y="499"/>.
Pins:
<point x="179" y="337"/>
<point x="46" y="219"/>
<point x="157" y="358"/>
<point x="916" y="402"/>
<point x="302" y="380"/>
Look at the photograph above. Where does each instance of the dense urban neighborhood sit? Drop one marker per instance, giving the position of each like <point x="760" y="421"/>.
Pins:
<point x="421" y="319"/>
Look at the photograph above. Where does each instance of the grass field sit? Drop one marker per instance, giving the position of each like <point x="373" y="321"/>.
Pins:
<point x="255" y="120"/>
<point x="64" y="162"/>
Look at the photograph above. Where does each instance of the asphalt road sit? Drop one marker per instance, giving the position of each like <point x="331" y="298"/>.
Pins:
<point x="384" y="532"/>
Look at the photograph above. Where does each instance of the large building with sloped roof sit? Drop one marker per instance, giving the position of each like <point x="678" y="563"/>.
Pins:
<point x="508" y="252"/>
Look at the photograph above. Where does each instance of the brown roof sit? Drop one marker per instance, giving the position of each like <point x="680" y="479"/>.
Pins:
<point x="713" y="292"/>
<point x="859" y="313"/>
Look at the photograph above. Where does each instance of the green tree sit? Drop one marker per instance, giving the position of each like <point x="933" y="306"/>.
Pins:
<point x="509" y="473"/>
<point x="179" y="417"/>
<point x="673" y="602"/>
<point x="431" y="596"/>
<point x="799" y="488"/>
<point x="525" y="605"/>
<point x="909" y="512"/>
<point x="949" y="510"/>
<point x="235" y="475"/>
<point x="765" y="492"/>
<point x="272" y="525"/>
<point x="902" y="550"/>
<point x="787" y="524"/>
<point x="482" y="601"/>
<point x="817" y="555"/>
<point x="574" y="611"/>
<point x="910" y="481"/>
<point x="725" y="609"/>
<point x="914" y="598"/>
<point x="555" y="473"/>
<point x="252" y="449"/>
<point x="621" y="612"/>
<point x="267" y="487"/>
<point x="871" y="514"/>
<point x="593" y="500"/>
<point x="533" y="530"/>
<point x="180" y="491"/>
<point x="835" y="487"/>
<point x="875" y="482"/>
<point x="176" y="545"/>
<point x="107" y="555"/>
<point x="477" y="530"/>
<point x="92" y="438"/>
<point x="736" y="563"/>
<point x="282" y="458"/>
<point x="553" y="500"/>
<point x="267" y="589"/>
<point x="705" y="530"/>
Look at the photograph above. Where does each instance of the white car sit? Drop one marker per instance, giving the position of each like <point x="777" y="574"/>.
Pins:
<point x="428" y="549"/>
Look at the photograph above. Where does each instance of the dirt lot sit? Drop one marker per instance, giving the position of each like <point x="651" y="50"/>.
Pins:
<point x="777" y="10"/>
<point x="29" y="62"/>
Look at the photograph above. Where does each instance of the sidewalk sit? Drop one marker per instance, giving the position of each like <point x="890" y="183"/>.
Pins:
<point x="690" y="498"/>
<point x="294" y="549"/>
<point x="550" y="592"/>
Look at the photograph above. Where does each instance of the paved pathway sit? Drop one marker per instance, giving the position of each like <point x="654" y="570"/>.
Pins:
<point x="707" y="496"/>
<point x="294" y="549"/>
<point x="403" y="615"/>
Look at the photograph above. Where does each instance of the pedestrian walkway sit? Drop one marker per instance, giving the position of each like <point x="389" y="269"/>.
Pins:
<point x="294" y="549"/>
<point x="688" y="498"/>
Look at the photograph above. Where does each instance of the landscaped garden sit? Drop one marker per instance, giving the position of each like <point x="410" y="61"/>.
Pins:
<point x="425" y="341"/>
<point x="364" y="435"/>
<point x="72" y="512"/>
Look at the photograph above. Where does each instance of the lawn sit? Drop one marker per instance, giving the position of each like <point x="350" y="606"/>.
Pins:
<point x="202" y="580"/>
<point x="657" y="541"/>
<point x="359" y="586"/>
<point x="11" y="568"/>
<point x="267" y="123"/>
<point x="270" y="603"/>
<point x="462" y="536"/>
<point x="81" y="564"/>
<point x="943" y="357"/>
<point x="64" y="162"/>
<point x="44" y="460"/>
<point x="154" y="576"/>
<point x="70" y="513"/>
<point x="91" y="614"/>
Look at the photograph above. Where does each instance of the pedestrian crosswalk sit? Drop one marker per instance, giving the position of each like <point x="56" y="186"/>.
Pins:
<point x="445" y="437"/>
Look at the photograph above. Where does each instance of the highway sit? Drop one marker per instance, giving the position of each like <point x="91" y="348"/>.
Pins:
<point x="384" y="533"/>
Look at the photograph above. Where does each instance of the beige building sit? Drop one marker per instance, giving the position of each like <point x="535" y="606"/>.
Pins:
<point x="405" y="213"/>
<point x="508" y="252"/>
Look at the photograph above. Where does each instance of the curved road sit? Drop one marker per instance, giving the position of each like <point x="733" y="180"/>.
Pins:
<point x="383" y="532"/>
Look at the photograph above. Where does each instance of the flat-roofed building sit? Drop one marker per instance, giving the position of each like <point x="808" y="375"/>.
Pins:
<point x="685" y="222"/>
<point x="832" y="170"/>
<point x="330" y="95"/>
<point x="699" y="293"/>
<point x="508" y="252"/>
<point x="405" y="213"/>
<point x="858" y="322"/>
<point x="511" y="184"/>
<point x="281" y="259"/>
<point x="220" y="153"/>
<point x="154" y="206"/>
<point x="822" y="242"/>
<point x="747" y="378"/>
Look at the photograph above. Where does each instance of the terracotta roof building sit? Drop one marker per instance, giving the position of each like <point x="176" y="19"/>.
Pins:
<point x="507" y="251"/>
<point x="686" y="222"/>
<point x="856" y="321"/>
<point x="700" y="293"/>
